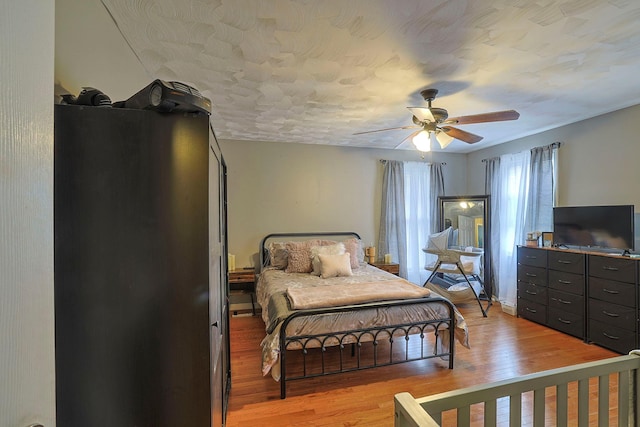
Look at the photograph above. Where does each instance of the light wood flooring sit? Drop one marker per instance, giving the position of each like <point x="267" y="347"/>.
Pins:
<point x="502" y="347"/>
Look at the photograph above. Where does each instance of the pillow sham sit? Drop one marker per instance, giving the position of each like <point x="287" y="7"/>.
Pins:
<point x="335" y="265"/>
<point x="299" y="260"/>
<point x="335" y="249"/>
<point x="278" y="255"/>
<point x="356" y="252"/>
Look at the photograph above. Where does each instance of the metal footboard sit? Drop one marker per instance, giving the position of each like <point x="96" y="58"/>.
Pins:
<point x="383" y="341"/>
<point x="570" y="385"/>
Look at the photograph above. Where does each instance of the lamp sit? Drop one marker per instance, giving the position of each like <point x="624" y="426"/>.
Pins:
<point x="422" y="141"/>
<point x="444" y="139"/>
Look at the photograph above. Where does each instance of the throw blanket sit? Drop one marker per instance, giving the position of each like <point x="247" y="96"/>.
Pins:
<point x="353" y="293"/>
<point x="281" y="304"/>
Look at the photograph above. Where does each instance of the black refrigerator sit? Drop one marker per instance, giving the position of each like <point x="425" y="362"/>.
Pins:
<point x="132" y="324"/>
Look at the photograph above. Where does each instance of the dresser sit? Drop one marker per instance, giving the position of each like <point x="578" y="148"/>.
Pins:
<point x="613" y="306"/>
<point x="589" y="295"/>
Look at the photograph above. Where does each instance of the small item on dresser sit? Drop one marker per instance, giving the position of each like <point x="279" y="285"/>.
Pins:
<point x="532" y="240"/>
<point x="232" y="262"/>
<point x="387" y="258"/>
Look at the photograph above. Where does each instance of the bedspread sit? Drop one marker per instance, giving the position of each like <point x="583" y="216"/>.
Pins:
<point x="271" y="291"/>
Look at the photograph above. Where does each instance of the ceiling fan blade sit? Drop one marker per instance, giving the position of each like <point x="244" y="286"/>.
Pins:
<point x="411" y="135"/>
<point x="384" y="130"/>
<point x="462" y="135"/>
<point x="423" y="114"/>
<point x="496" y="116"/>
<point x="443" y="139"/>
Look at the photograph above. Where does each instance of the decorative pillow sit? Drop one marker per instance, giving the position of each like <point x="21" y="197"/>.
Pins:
<point x="299" y="260"/>
<point x="335" y="265"/>
<point x="335" y="249"/>
<point x="278" y="255"/>
<point x="356" y="252"/>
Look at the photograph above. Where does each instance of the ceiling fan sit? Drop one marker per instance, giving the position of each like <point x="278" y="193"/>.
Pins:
<point x="435" y="121"/>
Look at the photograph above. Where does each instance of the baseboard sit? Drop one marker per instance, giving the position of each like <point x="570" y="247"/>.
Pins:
<point x="509" y="309"/>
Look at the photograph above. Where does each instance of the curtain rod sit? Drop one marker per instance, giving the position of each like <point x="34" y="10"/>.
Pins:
<point x="556" y="144"/>
<point x="383" y="161"/>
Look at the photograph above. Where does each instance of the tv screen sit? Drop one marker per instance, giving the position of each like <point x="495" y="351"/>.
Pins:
<point x="609" y="227"/>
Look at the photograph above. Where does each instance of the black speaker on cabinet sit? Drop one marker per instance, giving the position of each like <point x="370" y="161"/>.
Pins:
<point x="168" y="97"/>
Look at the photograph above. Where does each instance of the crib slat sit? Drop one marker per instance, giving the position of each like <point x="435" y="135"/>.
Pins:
<point x="515" y="410"/>
<point x="538" y="407"/>
<point x="490" y="412"/>
<point x="583" y="402"/>
<point x="623" y="398"/>
<point x="562" y="408"/>
<point x="603" y="401"/>
<point x="464" y="416"/>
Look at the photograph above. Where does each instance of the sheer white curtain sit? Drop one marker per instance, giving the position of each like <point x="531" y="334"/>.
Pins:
<point x="410" y="191"/>
<point x="509" y="207"/>
<point x="418" y="207"/>
<point x="522" y="189"/>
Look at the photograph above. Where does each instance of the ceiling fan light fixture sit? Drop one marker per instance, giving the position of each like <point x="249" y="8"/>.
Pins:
<point x="443" y="139"/>
<point x="422" y="141"/>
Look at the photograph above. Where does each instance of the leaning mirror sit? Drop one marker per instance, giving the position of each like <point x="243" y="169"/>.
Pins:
<point x="468" y="216"/>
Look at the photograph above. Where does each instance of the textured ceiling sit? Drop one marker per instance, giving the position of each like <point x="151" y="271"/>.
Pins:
<point x="316" y="71"/>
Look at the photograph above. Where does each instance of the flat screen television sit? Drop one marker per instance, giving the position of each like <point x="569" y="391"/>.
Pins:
<point x="606" y="227"/>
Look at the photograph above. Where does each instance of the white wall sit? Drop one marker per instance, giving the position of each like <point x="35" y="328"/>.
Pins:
<point x="27" y="368"/>
<point x="280" y="187"/>
<point x="90" y="51"/>
<point x="598" y="162"/>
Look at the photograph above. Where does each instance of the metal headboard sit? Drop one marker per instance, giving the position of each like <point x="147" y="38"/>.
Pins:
<point x="263" y="251"/>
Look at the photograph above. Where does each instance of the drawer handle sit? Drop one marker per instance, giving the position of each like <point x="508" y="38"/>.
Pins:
<point x="561" y="261"/>
<point x="566" y="322"/>
<point x="606" y="313"/>
<point x="531" y="310"/>
<point x="530" y="275"/>
<point x="530" y="293"/>
<point x="561" y="301"/>
<point x="610" y="336"/>
<point x="605" y="267"/>
<point x="531" y="257"/>
<point x="564" y="282"/>
<point x="608" y="291"/>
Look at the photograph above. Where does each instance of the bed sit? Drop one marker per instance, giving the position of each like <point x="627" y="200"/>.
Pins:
<point x="329" y="318"/>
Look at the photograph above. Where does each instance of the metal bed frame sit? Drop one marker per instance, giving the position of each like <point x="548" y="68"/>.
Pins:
<point x="419" y="328"/>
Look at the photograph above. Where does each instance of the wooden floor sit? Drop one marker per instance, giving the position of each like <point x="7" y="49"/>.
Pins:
<point x="502" y="347"/>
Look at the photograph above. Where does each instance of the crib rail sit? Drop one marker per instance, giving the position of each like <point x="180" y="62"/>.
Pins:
<point x="565" y="383"/>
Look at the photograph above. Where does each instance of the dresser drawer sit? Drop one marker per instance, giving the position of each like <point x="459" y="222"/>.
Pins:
<point x="612" y="291"/>
<point x="569" y="323"/>
<point x="618" y="316"/>
<point x="608" y="336"/>
<point x="567" y="282"/>
<point x="533" y="293"/>
<point x="534" y="275"/>
<point x="532" y="256"/>
<point x="532" y="311"/>
<point x="569" y="262"/>
<point x="614" y="268"/>
<point x="565" y="302"/>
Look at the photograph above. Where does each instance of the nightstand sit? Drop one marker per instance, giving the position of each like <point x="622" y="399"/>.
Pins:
<point x="392" y="268"/>
<point x="244" y="280"/>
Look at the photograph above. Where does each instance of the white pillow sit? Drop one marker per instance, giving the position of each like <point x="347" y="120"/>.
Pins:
<point x="335" y="265"/>
<point x="337" y="249"/>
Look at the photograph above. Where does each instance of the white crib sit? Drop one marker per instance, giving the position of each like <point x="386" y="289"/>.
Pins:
<point x="540" y="399"/>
